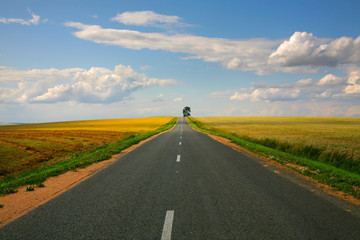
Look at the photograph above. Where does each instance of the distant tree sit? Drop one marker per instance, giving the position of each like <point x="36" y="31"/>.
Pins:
<point x="186" y="111"/>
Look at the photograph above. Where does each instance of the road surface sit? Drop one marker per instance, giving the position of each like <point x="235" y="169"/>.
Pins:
<point x="185" y="185"/>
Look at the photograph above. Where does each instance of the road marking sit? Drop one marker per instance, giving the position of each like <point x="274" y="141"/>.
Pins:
<point x="166" y="232"/>
<point x="178" y="158"/>
<point x="180" y="136"/>
<point x="179" y="143"/>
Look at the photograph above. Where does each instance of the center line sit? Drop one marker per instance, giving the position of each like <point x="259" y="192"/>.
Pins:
<point x="166" y="232"/>
<point x="178" y="158"/>
<point x="179" y="143"/>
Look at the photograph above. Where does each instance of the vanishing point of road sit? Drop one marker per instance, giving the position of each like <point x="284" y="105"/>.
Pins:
<point x="185" y="185"/>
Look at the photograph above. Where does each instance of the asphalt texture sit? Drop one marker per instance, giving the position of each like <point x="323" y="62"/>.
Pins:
<point x="211" y="191"/>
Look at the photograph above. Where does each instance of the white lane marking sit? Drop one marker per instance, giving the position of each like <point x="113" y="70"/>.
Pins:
<point x="180" y="136"/>
<point x="166" y="232"/>
<point x="178" y="158"/>
<point x="179" y="143"/>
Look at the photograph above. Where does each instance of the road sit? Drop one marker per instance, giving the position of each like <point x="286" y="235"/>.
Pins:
<point x="185" y="185"/>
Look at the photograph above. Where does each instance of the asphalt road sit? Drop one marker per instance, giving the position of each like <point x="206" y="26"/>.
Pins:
<point x="199" y="189"/>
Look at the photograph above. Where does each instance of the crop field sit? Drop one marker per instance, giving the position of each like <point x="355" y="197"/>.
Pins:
<point x="335" y="141"/>
<point x="115" y="125"/>
<point x="28" y="147"/>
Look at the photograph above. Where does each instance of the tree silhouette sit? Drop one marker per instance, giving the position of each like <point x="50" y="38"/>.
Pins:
<point x="186" y="111"/>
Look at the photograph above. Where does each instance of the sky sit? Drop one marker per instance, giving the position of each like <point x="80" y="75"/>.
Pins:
<point x="76" y="60"/>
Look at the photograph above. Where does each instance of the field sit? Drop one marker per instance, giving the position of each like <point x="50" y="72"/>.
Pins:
<point x="333" y="136"/>
<point x="25" y="148"/>
<point x="326" y="149"/>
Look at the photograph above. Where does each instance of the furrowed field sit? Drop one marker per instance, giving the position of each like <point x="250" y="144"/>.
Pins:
<point x="24" y="148"/>
<point x="335" y="141"/>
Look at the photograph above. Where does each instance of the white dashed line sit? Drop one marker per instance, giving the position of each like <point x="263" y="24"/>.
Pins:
<point x="178" y="158"/>
<point x="179" y="143"/>
<point x="166" y="233"/>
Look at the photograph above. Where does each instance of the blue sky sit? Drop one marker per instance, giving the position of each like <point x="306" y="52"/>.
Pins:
<point x="72" y="60"/>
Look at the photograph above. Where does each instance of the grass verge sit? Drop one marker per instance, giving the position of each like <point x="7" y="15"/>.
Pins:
<point x="102" y="153"/>
<point x="345" y="181"/>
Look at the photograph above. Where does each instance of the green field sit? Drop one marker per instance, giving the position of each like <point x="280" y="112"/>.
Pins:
<point x="332" y="144"/>
<point x="60" y="146"/>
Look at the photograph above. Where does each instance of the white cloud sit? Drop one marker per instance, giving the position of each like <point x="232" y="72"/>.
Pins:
<point x="146" y="18"/>
<point x="159" y="98"/>
<point x="144" y="68"/>
<point x="9" y="74"/>
<point x="305" y="82"/>
<point x="35" y="20"/>
<point x="179" y="99"/>
<point x="301" y="53"/>
<point x="95" y="85"/>
<point x="239" y="97"/>
<point x="267" y="95"/>
<point x="352" y="88"/>
<point x="329" y="87"/>
<point x="330" y="79"/>
<point x="245" y="55"/>
<point x="304" y="49"/>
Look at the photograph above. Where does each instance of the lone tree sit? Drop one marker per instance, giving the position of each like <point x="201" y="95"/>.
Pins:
<point x="186" y="111"/>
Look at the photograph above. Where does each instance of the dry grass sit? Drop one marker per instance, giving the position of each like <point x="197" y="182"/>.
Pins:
<point x="331" y="134"/>
<point x="28" y="147"/>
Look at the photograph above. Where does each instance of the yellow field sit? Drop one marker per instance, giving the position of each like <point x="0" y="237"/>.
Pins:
<point x="340" y="134"/>
<point x="117" y="125"/>
<point x="27" y="147"/>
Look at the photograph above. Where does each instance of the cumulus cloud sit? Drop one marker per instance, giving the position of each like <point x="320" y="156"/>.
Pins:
<point x="94" y="85"/>
<point x="352" y="88"/>
<point x="146" y="18"/>
<point x="35" y="20"/>
<point x="304" y="49"/>
<point x="330" y="79"/>
<point x="329" y="87"/>
<point x="179" y="99"/>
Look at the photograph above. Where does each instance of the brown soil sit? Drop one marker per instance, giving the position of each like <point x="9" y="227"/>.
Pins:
<point x="17" y="204"/>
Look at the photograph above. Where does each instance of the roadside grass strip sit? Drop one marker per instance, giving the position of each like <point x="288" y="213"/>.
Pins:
<point x="345" y="181"/>
<point x="38" y="176"/>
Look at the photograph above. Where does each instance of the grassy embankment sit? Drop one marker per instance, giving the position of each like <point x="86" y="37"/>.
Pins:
<point x="325" y="149"/>
<point x="31" y="153"/>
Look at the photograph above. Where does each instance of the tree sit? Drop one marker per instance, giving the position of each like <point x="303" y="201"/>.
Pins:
<point x="186" y="111"/>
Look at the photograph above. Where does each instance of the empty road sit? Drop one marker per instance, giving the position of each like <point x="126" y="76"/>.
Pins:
<point x="185" y="185"/>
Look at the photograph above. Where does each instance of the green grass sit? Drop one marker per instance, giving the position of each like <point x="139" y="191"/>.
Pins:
<point x="340" y="179"/>
<point x="38" y="176"/>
